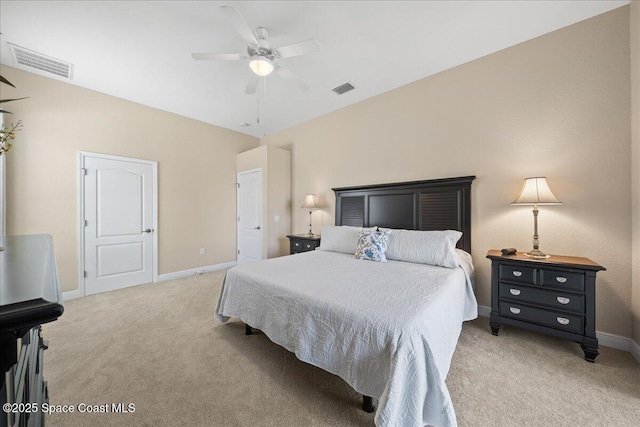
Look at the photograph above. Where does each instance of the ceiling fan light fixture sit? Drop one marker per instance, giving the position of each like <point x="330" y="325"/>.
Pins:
<point x="262" y="66"/>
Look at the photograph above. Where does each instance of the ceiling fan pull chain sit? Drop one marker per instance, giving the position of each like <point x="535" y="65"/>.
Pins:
<point x="264" y="90"/>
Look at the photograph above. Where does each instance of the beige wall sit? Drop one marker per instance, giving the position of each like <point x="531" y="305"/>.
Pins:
<point x="556" y="106"/>
<point x="276" y="191"/>
<point x="635" y="135"/>
<point x="252" y="159"/>
<point x="196" y="168"/>
<point x="279" y="201"/>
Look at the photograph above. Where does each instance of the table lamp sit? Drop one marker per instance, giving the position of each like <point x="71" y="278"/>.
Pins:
<point x="536" y="191"/>
<point x="310" y="203"/>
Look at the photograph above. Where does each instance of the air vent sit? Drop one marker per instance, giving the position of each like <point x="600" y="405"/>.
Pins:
<point x="41" y="62"/>
<point x="344" y="88"/>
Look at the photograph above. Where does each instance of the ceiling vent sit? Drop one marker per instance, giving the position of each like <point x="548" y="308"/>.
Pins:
<point x="41" y="62"/>
<point x="344" y="88"/>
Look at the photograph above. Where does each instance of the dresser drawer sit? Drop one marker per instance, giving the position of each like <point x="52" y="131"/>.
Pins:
<point x="300" y="245"/>
<point x="309" y="246"/>
<point x="554" y="299"/>
<point x="557" y="320"/>
<point x="296" y="246"/>
<point x="562" y="279"/>
<point x="517" y="274"/>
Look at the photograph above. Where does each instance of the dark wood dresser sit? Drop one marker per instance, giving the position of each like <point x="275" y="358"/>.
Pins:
<point x="29" y="297"/>
<point x="556" y="296"/>
<point x="303" y="243"/>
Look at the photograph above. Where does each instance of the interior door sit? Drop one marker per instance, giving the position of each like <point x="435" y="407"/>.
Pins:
<point x="250" y="225"/>
<point x="118" y="210"/>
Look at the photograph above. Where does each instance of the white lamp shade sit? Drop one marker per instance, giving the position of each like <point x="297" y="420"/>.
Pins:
<point x="310" y="202"/>
<point x="536" y="191"/>
<point x="262" y="66"/>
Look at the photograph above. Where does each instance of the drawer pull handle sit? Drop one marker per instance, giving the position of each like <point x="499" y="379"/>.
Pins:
<point x="561" y="279"/>
<point x="562" y="320"/>
<point x="517" y="311"/>
<point x="563" y="300"/>
<point x="514" y="291"/>
<point x="308" y="246"/>
<point x="517" y="273"/>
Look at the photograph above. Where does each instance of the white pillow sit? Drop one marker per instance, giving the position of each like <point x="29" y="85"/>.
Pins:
<point x="424" y="247"/>
<point x="341" y="238"/>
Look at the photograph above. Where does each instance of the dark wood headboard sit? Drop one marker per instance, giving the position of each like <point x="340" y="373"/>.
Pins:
<point x="435" y="204"/>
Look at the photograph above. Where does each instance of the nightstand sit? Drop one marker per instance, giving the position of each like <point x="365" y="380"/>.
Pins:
<point x="555" y="296"/>
<point x="303" y="243"/>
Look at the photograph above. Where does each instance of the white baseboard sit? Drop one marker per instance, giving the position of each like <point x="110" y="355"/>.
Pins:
<point x="484" y="311"/>
<point x="193" y="271"/>
<point x="69" y="295"/>
<point x="604" y="338"/>
<point x="634" y="349"/>
<point x="614" y="341"/>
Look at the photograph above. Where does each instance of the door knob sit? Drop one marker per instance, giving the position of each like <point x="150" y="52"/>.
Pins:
<point x="148" y="230"/>
<point x="257" y="228"/>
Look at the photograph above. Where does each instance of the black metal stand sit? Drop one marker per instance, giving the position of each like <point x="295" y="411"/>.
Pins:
<point x="367" y="404"/>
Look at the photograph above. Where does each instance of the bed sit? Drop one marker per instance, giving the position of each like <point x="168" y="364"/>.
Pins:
<point x="388" y="329"/>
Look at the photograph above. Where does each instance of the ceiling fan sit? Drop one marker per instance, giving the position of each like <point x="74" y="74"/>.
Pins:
<point x="263" y="56"/>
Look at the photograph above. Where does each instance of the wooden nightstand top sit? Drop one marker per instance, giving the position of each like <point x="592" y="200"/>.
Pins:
<point x="559" y="260"/>
<point x="314" y="238"/>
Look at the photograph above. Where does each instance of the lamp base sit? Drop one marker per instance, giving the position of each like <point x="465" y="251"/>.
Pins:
<point x="309" y="234"/>
<point x="536" y="254"/>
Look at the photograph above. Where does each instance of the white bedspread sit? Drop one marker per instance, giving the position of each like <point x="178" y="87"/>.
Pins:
<point x="388" y="329"/>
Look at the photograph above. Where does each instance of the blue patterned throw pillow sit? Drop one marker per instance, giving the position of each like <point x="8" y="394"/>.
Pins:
<point x="372" y="245"/>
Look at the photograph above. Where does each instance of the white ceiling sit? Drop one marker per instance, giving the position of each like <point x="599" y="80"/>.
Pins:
<point x="141" y="50"/>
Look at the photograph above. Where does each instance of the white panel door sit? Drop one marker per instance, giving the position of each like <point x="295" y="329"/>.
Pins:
<point x="249" y="216"/>
<point x="118" y="213"/>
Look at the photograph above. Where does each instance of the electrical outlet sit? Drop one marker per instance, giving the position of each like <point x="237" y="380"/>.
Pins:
<point x="276" y="218"/>
<point x="202" y="251"/>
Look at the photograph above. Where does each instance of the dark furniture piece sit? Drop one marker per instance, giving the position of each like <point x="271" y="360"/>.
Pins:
<point x="29" y="297"/>
<point x="556" y="296"/>
<point x="302" y="243"/>
<point x="436" y="204"/>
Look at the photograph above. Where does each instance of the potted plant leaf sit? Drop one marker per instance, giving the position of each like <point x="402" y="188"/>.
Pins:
<point x="7" y="133"/>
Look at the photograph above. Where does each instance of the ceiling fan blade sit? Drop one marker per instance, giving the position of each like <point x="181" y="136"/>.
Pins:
<point x="240" y="25"/>
<point x="218" y="56"/>
<point x="287" y="74"/>
<point x="296" y="49"/>
<point x="252" y="85"/>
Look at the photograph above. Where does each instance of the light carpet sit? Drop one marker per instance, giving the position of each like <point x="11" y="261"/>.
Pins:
<point x="158" y="346"/>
